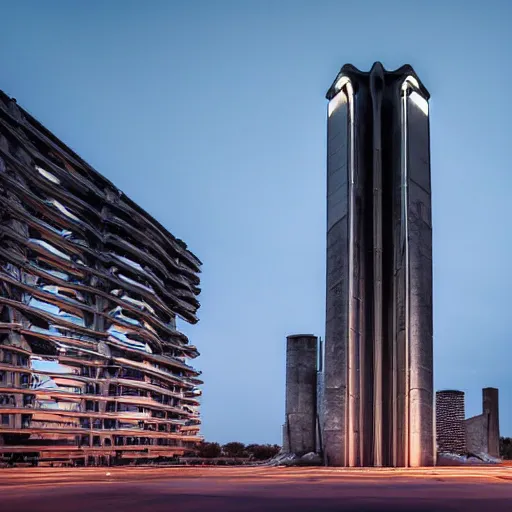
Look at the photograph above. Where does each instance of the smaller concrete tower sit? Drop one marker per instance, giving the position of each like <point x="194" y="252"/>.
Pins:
<point x="491" y="408"/>
<point x="299" y="434"/>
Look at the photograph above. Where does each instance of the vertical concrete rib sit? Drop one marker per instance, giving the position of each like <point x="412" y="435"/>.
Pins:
<point x="354" y="295"/>
<point x="301" y="389"/>
<point x="337" y="274"/>
<point x="376" y="86"/>
<point x="419" y="261"/>
<point x="399" y="282"/>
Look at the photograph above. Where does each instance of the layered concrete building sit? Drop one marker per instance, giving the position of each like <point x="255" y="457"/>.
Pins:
<point x="92" y="366"/>
<point x="378" y="398"/>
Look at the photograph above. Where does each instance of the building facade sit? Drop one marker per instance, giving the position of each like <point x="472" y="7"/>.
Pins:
<point x="450" y="422"/>
<point x="92" y="366"/>
<point x="378" y="376"/>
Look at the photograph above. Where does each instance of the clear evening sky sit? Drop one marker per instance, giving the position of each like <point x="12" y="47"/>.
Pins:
<point x="211" y="115"/>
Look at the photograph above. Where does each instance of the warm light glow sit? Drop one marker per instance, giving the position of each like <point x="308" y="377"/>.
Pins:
<point x="342" y="81"/>
<point x="339" y="99"/>
<point x="410" y="80"/>
<point x="419" y="101"/>
<point x="412" y="83"/>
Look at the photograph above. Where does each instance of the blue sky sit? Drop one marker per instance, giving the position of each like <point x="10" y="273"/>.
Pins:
<point x="211" y="115"/>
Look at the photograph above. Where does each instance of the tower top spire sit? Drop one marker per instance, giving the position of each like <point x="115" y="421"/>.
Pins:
<point x="357" y="76"/>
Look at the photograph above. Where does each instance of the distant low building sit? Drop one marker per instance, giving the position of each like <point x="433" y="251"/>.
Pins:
<point x="483" y="431"/>
<point x="478" y="435"/>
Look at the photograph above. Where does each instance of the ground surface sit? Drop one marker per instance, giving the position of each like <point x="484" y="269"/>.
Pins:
<point x="259" y="489"/>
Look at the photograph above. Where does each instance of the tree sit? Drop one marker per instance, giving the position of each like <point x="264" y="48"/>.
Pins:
<point x="234" y="449"/>
<point x="263" y="451"/>
<point x="209" y="450"/>
<point x="506" y="448"/>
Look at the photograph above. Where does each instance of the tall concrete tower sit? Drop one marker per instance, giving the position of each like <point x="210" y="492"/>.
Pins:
<point x="378" y="398"/>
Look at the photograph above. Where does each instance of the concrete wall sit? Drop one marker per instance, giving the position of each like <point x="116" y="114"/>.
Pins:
<point x="477" y="434"/>
<point x="285" y="448"/>
<point x="301" y="392"/>
<point x="418" y="289"/>
<point x="337" y="293"/>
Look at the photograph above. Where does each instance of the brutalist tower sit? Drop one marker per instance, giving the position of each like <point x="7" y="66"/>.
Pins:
<point x="378" y="400"/>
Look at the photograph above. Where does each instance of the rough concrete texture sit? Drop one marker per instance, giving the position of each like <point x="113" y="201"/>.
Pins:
<point x="477" y="434"/>
<point x="335" y="369"/>
<point x="420" y="335"/>
<point x="301" y="390"/>
<point x="491" y="408"/>
<point x="319" y="411"/>
<point x="285" y="445"/>
<point x="450" y="418"/>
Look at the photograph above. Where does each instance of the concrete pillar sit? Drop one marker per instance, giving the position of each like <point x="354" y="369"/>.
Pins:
<point x="491" y="409"/>
<point x="450" y="422"/>
<point x="301" y="390"/>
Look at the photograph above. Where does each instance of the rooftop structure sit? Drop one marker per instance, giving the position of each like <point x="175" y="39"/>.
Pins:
<point x="92" y="366"/>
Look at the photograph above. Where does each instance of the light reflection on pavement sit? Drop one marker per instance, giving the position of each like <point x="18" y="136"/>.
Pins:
<point x="256" y="489"/>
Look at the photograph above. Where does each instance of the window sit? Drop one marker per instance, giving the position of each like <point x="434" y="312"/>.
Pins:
<point x="28" y="400"/>
<point x="24" y="380"/>
<point x="22" y="360"/>
<point x="5" y="420"/>
<point x="130" y="373"/>
<point x="91" y="406"/>
<point x="86" y="371"/>
<point x="26" y="420"/>
<point x="7" y="357"/>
